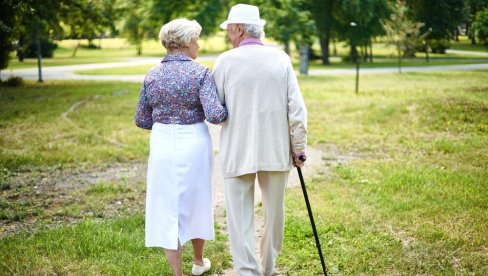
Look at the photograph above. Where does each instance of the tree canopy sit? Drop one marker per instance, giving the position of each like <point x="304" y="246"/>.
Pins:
<point x="298" y="21"/>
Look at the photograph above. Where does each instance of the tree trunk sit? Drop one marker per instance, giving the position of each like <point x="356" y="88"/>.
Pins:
<point x="304" y="52"/>
<point x="287" y="46"/>
<point x="399" y="62"/>
<point x="371" y="52"/>
<point x="354" y="53"/>
<point x="39" y="58"/>
<point x="20" y="49"/>
<point x="76" y="49"/>
<point x="470" y="34"/>
<point x="324" y="46"/>
<point x="139" y="47"/>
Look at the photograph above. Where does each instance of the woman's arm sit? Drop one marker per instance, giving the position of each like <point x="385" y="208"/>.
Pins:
<point x="215" y="112"/>
<point x="143" y="117"/>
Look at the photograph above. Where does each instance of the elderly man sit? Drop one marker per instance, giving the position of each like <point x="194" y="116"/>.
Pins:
<point x="264" y="135"/>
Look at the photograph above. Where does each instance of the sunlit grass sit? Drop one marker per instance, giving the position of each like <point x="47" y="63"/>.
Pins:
<point x="118" y="49"/>
<point x="36" y="133"/>
<point x="412" y="199"/>
<point x="110" y="247"/>
<point x="112" y="50"/>
<point x="409" y="199"/>
<point x="464" y="44"/>
<point x="132" y="70"/>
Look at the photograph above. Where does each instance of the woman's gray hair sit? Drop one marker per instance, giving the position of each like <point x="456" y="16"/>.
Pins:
<point x="178" y="33"/>
<point x="254" y="31"/>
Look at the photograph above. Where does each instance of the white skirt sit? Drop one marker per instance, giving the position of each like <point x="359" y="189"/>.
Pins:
<point x="179" y="190"/>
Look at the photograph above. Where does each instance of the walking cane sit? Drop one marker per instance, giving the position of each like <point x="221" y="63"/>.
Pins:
<point x="317" y="241"/>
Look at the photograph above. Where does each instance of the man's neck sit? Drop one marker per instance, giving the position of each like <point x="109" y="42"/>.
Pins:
<point x="250" y="41"/>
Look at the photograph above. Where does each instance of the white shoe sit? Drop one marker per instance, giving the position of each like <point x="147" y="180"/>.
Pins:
<point x="200" y="269"/>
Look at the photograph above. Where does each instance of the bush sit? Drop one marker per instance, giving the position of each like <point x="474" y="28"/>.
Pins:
<point x="89" y="46"/>
<point x="47" y="49"/>
<point x="439" y="46"/>
<point x="12" y="81"/>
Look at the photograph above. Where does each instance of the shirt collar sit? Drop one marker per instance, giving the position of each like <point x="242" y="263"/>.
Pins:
<point x="176" y="57"/>
<point x="251" y="41"/>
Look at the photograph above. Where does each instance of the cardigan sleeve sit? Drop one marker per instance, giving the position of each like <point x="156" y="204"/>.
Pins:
<point x="297" y="113"/>
<point x="143" y="117"/>
<point x="215" y="112"/>
<point x="219" y="79"/>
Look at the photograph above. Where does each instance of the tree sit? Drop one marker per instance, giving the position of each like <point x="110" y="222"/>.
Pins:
<point x="325" y="22"/>
<point x="207" y="13"/>
<point x="7" y="24"/>
<point x="441" y="18"/>
<point x="367" y="16"/>
<point x="401" y="32"/>
<point x="473" y="7"/>
<point x="480" y="26"/>
<point x="143" y="19"/>
<point x="137" y="23"/>
<point x="85" y="19"/>
<point x="288" y="21"/>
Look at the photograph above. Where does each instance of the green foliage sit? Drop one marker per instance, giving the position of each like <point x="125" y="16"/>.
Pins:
<point x="8" y="11"/>
<point x="143" y="19"/>
<point x="402" y="32"/>
<point x="12" y="81"/>
<point x="439" y="45"/>
<point x="136" y="25"/>
<point x="442" y="17"/>
<point x="47" y="49"/>
<point x="360" y="22"/>
<point x="480" y="26"/>
<point x="288" y="21"/>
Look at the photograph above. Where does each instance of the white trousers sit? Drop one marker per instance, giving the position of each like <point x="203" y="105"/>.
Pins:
<point x="239" y="193"/>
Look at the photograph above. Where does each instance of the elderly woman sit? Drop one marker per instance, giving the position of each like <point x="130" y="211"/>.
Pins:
<point x="177" y="96"/>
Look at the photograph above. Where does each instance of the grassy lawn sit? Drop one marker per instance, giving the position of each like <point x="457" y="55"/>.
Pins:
<point x="403" y="192"/>
<point x="130" y="70"/>
<point x="410" y="196"/>
<point x="112" y="50"/>
<point x="56" y="139"/>
<point x="465" y="44"/>
<point x="118" y="49"/>
<point x="335" y="64"/>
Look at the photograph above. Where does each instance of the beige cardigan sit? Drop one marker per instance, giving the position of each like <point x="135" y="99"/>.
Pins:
<point x="267" y="116"/>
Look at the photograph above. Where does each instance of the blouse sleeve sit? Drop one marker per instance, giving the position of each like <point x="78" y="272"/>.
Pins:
<point x="143" y="115"/>
<point x="215" y="112"/>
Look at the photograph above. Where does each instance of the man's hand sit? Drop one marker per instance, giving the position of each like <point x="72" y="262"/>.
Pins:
<point x="299" y="159"/>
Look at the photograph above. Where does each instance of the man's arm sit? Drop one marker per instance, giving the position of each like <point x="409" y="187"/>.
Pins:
<point x="297" y="115"/>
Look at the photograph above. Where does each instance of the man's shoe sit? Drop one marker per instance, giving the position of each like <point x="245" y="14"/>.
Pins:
<point x="200" y="269"/>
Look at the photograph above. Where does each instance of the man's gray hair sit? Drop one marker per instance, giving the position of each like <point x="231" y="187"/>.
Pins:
<point x="254" y="31"/>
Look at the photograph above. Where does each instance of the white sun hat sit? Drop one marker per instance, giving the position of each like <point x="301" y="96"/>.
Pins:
<point x="242" y="13"/>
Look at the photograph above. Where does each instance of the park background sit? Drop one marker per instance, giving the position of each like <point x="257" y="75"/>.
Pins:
<point x="402" y="183"/>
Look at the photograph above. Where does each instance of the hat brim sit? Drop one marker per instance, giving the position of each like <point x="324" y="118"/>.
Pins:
<point x="260" y="22"/>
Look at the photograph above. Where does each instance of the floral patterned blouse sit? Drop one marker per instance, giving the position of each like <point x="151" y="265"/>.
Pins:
<point x="178" y="91"/>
